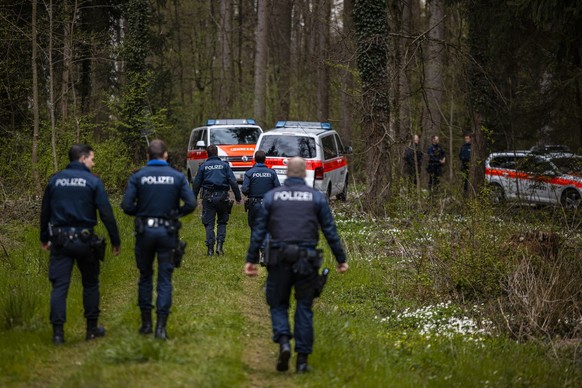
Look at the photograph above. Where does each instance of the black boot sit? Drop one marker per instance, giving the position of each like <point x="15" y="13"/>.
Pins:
<point x="219" y="250"/>
<point x="146" y="322"/>
<point x="161" y="327"/>
<point x="210" y="251"/>
<point x="301" y="365"/>
<point x="94" y="331"/>
<point x="284" y="354"/>
<point x="58" y="335"/>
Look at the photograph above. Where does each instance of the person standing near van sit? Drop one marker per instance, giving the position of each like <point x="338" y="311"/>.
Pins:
<point x="257" y="181"/>
<point x="214" y="178"/>
<point x="68" y="214"/>
<point x="465" y="157"/>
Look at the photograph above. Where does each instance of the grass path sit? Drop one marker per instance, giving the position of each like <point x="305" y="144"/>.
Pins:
<point x="219" y="329"/>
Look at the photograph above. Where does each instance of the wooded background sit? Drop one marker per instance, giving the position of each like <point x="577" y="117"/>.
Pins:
<point x="115" y="73"/>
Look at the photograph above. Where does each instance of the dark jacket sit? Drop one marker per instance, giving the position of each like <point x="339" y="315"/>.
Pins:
<point x="72" y="198"/>
<point x="465" y="155"/>
<point x="294" y="213"/>
<point x="258" y="180"/>
<point x="215" y="175"/>
<point x="409" y="156"/>
<point x="156" y="190"/>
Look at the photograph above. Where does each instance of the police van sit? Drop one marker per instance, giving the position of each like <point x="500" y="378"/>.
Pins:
<point x="541" y="175"/>
<point x="318" y="144"/>
<point x="235" y="139"/>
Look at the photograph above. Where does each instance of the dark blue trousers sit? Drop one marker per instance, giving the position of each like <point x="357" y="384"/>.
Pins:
<point x="60" y="268"/>
<point x="215" y="209"/>
<point x="280" y="281"/>
<point x="253" y="212"/>
<point x="152" y="242"/>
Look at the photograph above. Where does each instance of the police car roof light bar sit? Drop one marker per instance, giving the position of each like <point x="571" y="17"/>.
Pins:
<point x="211" y="122"/>
<point x="303" y="124"/>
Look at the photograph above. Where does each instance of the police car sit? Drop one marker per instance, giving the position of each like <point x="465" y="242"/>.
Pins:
<point x="318" y="144"/>
<point x="235" y="138"/>
<point x="542" y="175"/>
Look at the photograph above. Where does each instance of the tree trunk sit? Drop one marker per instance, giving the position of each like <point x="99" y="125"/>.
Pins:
<point x="280" y="47"/>
<point x="51" y="101"/>
<point x="225" y="38"/>
<point x="372" y="32"/>
<point x="433" y="72"/>
<point x="347" y="102"/>
<point x="324" y="14"/>
<point x="35" y="109"/>
<point x="261" y="61"/>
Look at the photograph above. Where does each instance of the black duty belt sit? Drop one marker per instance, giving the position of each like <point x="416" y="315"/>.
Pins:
<point x="155" y="222"/>
<point x="254" y="200"/>
<point x="71" y="233"/>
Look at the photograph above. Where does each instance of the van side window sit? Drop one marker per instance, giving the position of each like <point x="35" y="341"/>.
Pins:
<point x="329" y="148"/>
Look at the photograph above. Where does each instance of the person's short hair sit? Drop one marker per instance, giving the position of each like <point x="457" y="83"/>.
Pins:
<point x="296" y="167"/>
<point x="78" y="150"/>
<point x="260" y="156"/>
<point x="157" y="149"/>
<point x="212" y="150"/>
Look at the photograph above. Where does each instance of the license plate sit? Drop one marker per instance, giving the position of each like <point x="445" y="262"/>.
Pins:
<point x="281" y="171"/>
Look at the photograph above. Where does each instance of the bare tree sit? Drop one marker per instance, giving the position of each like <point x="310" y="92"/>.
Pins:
<point x="225" y="38"/>
<point x="261" y="60"/>
<point x="433" y="72"/>
<point x="323" y="17"/>
<point x="35" y="109"/>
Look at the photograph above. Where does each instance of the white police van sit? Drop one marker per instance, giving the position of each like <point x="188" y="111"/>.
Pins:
<point x="235" y="139"/>
<point x="542" y="175"/>
<point x="318" y="144"/>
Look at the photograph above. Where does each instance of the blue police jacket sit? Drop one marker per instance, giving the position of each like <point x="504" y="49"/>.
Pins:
<point x="215" y="175"/>
<point x="435" y="154"/>
<point x="156" y="190"/>
<point x="258" y="180"/>
<point x="465" y="153"/>
<point x="293" y="214"/>
<point x="72" y="198"/>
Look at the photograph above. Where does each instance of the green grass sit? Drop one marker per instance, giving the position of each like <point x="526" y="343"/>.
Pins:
<point x="220" y="330"/>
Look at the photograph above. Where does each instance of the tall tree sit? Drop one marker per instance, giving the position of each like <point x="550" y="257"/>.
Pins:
<point x="370" y="18"/>
<point x="323" y="17"/>
<point x="261" y="57"/>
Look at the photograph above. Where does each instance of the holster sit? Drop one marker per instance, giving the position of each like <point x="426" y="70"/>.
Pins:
<point x="230" y="205"/>
<point x="139" y="226"/>
<point x="98" y="246"/>
<point x="247" y="204"/>
<point x="178" y="253"/>
<point x="320" y="282"/>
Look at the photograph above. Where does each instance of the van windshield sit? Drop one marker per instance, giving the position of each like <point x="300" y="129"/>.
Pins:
<point x="236" y="135"/>
<point x="288" y="146"/>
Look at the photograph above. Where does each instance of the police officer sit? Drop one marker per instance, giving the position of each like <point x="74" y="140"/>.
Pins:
<point x="68" y="215"/>
<point x="256" y="182"/>
<point x="153" y="196"/>
<point x="465" y="157"/>
<point x="215" y="177"/>
<point x="293" y="215"/>
<point x="436" y="159"/>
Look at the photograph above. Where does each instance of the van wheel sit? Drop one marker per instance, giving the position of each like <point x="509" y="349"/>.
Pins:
<point x="570" y="199"/>
<point x="496" y="194"/>
<point x="343" y="196"/>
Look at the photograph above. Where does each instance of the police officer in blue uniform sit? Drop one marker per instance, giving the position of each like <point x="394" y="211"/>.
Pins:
<point x="436" y="160"/>
<point x="293" y="214"/>
<point x="153" y="196"/>
<point x="215" y="178"/>
<point x="68" y="215"/>
<point x="256" y="182"/>
<point x="465" y="157"/>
